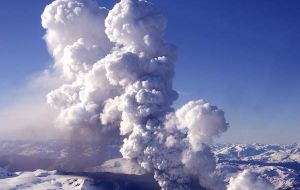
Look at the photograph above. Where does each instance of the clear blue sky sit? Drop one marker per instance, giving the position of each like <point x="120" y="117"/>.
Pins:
<point x="243" y="56"/>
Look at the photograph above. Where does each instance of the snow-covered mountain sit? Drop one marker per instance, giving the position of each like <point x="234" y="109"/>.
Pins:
<point x="279" y="164"/>
<point x="258" y="152"/>
<point x="46" y="180"/>
<point x="28" y="165"/>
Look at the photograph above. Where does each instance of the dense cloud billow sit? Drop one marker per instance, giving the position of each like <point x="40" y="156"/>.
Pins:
<point x="118" y="72"/>
<point x="247" y="180"/>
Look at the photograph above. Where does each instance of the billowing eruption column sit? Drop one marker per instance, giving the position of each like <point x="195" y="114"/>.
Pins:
<point x="118" y="73"/>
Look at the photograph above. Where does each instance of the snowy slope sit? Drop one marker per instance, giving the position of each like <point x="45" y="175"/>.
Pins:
<point x="41" y="180"/>
<point x="46" y="180"/>
<point x="258" y="152"/>
<point x="279" y="164"/>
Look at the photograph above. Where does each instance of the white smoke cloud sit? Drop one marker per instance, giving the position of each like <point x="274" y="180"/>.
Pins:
<point x="197" y="123"/>
<point x="76" y="39"/>
<point x="75" y="35"/>
<point x="247" y="180"/>
<point x="118" y="73"/>
<point x="202" y="121"/>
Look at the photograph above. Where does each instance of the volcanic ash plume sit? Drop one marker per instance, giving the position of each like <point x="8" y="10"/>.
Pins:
<point x="247" y="180"/>
<point x="118" y="74"/>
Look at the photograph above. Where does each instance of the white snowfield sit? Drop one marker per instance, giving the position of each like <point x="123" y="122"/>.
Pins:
<point x="42" y="180"/>
<point x="277" y="164"/>
<point x="259" y="152"/>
